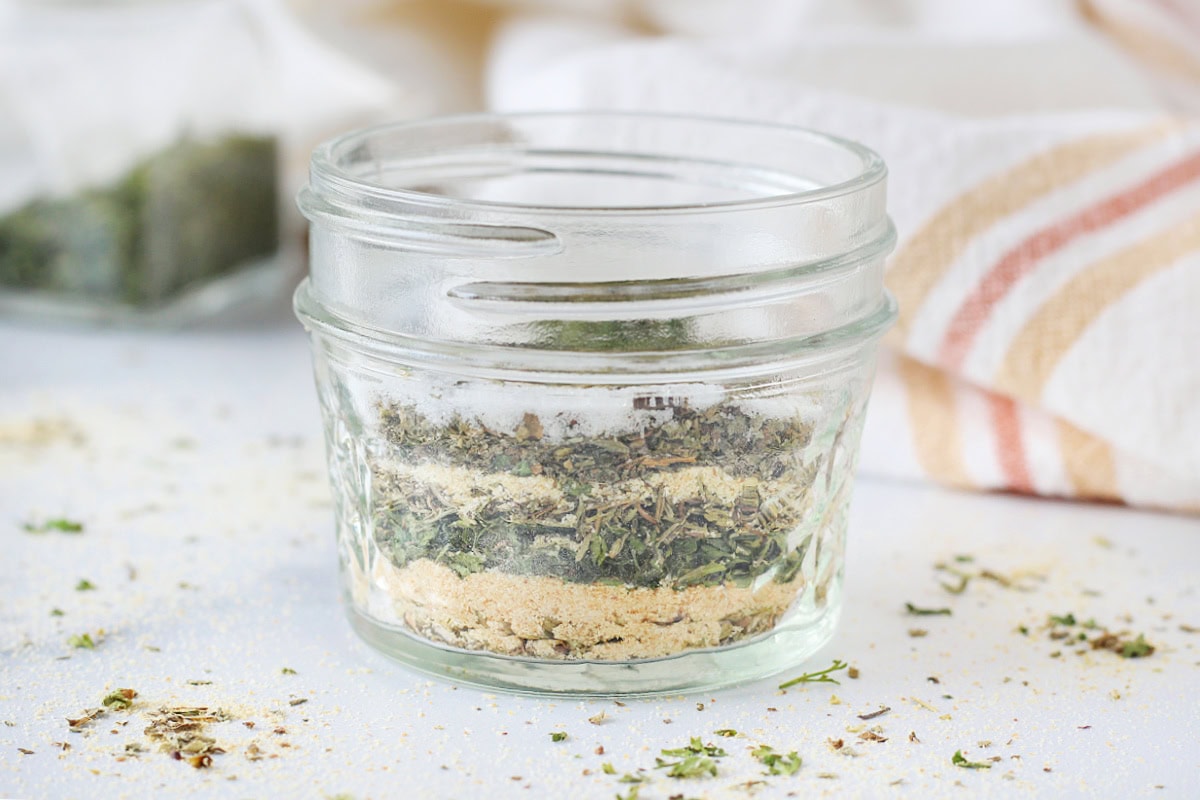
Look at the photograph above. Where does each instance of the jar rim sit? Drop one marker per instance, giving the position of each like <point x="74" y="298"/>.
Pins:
<point x="327" y="172"/>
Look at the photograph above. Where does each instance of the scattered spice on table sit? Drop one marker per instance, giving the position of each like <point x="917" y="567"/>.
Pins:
<point x="775" y="762"/>
<point x="927" y="612"/>
<point x="60" y="524"/>
<point x="820" y="676"/>
<point x="120" y="699"/>
<point x="872" y="715"/>
<point x="959" y="760"/>
<point x="82" y="641"/>
<point x="86" y="716"/>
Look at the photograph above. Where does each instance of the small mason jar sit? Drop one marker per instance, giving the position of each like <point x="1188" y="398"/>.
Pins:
<point x="592" y="387"/>
<point x="138" y="159"/>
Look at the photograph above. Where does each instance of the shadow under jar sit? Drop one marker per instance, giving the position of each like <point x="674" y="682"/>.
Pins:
<point x="592" y="387"/>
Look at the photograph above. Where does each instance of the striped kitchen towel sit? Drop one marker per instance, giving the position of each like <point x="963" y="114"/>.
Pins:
<point x="1045" y="180"/>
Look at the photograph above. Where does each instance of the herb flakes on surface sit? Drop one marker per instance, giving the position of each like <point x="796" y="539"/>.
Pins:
<point x="180" y="731"/>
<point x="79" y="723"/>
<point x="60" y="524"/>
<point x="82" y="641"/>
<point x="694" y="760"/>
<point x="119" y="699"/>
<point x="691" y="766"/>
<point x="777" y="763"/>
<point x="820" y="676"/>
<point x="873" y="714"/>
<point x="927" y="612"/>
<point x="959" y="760"/>
<point x="1105" y="640"/>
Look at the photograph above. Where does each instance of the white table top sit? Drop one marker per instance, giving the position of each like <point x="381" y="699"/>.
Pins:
<point x="194" y="460"/>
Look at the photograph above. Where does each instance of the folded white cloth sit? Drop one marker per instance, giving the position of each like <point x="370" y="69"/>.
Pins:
<point x="1045" y="182"/>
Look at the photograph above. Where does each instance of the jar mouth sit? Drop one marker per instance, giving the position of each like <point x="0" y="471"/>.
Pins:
<point x="827" y="351"/>
<point x="458" y="161"/>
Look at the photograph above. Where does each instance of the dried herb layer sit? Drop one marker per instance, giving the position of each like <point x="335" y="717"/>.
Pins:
<point x="705" y="497"/>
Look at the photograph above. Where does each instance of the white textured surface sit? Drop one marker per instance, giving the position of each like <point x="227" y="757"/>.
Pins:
<point x="198" y="461"/>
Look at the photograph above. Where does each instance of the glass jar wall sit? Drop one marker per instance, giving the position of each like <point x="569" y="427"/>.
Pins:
<point x="592" y="387"/>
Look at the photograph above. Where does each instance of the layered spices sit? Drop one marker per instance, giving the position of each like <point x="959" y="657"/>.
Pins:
<point x="680" y="525"/>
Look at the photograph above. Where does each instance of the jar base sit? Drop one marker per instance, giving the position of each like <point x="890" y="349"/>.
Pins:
<point x="703" y="670"/>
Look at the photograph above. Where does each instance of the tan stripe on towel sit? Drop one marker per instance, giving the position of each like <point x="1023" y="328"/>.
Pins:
<point x="934" y="423"/>
<point x="1155" y="50"/>
<point x="1088" y="462"/>
<point x="1055" y="327"/>
<point x="918" y="265"/>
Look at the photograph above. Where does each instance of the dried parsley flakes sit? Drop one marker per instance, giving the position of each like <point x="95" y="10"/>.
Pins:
<point x="820" y="676"/>
<point x="119" y="699"/>
<point x="777" y="763"/>
<point x="60" y="524"/>
<point x="959" y="760"/>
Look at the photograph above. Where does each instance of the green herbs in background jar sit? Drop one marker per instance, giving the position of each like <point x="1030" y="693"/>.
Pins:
<point x="184" y="216"/>
<point x="681" y="523"/>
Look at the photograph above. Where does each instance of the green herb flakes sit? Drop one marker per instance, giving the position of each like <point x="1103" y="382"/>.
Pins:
<point x="287" y="671"/>
<point x="85" y="585"/>
<point x="694" y="760"/>
<point x="82" y="640"/>
<point x="696" y="746"/>
<point x="821" y="676"/>
<point x="693" y="766"/>
<point x="959" y="760"/>
<point x="726" y="732"/>
<point x="927" y="612"/>
<point x="119" y="698"/>
<point x="558" y="736"/>
<point x="608" y="769"/>
<point x="1138" y="648"/>
<point x="1065" y="619"/>
<point x="777" y="763"/>
<point x="57" y="612"/>
<point x="60" y="524"/>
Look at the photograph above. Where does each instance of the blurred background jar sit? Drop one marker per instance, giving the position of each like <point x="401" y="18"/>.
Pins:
<point x="139" y="159"/>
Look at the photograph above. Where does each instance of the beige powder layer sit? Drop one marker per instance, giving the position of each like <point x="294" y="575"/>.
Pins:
<point x="468" y="490"/>
<point x="547" y="617"/>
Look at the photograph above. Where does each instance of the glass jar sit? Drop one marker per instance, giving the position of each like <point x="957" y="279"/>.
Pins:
<point x="138" y="159"/>
<point x="592" y="387"/>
